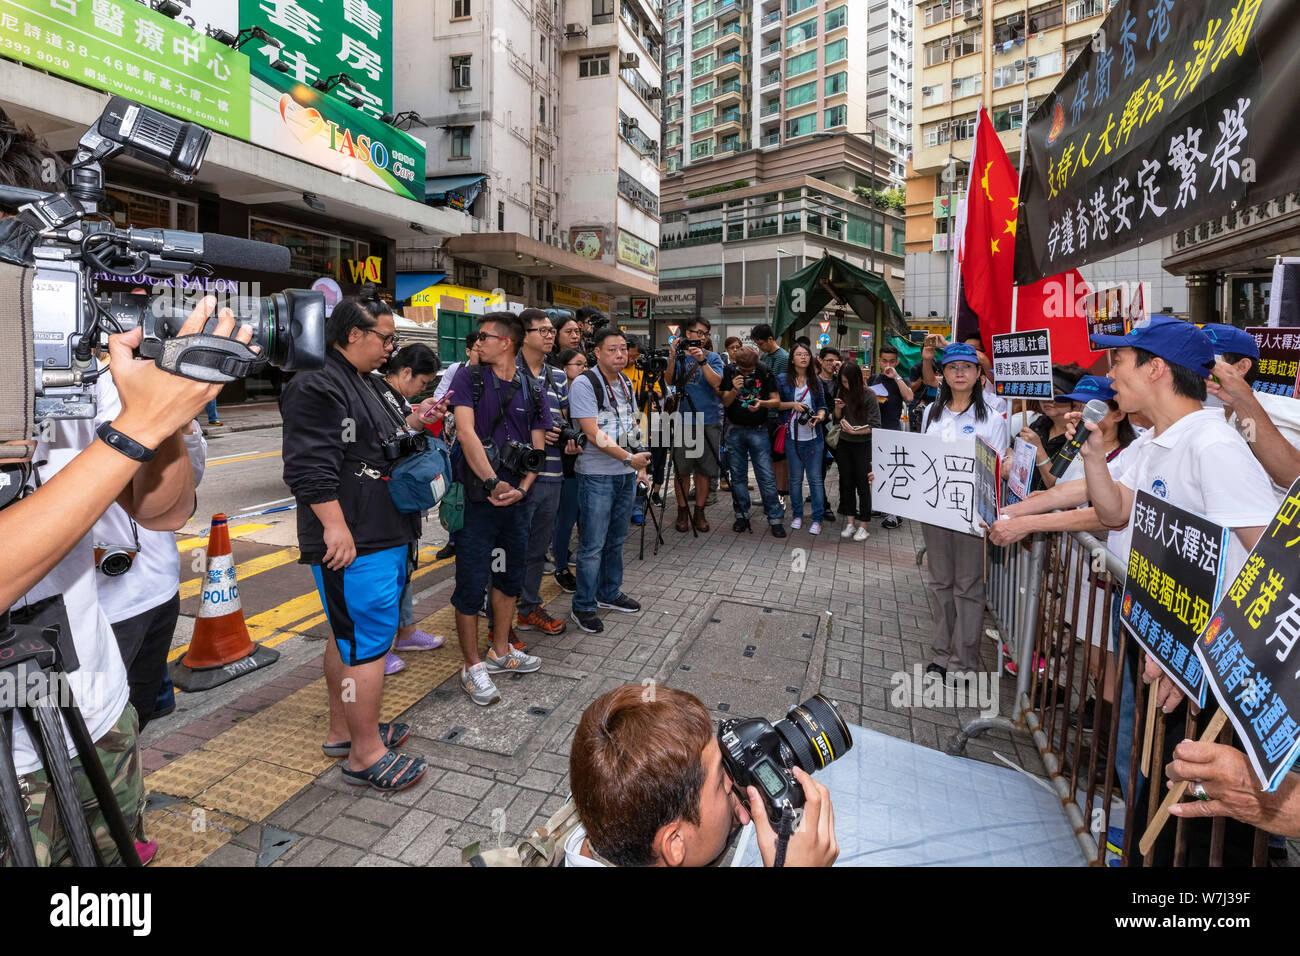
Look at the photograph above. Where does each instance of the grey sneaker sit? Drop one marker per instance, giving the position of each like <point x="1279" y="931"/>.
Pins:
<point x="516" y="661"/>
<point x="476" y="682"/>
<point x="621" y="603"/>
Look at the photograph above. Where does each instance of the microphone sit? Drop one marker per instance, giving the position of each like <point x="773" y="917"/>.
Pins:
<point x="235" y="253"/>
<point x="1093" y="412"/>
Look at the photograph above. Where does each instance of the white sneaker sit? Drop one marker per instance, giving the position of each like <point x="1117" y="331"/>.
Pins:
<point x="516" y="661"/>
<point x="796" y="524"/>
<point x="816" y="528"/>
<point x="847" y="532"/>
<point x="476" y="682"/>
<point x="862" y="535"/>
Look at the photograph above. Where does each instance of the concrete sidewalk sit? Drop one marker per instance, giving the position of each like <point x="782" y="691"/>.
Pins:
<point x="247" y="416"/>
<point x="749" y="623"/>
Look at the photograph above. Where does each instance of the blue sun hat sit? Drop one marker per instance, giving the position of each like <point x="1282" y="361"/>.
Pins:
<point x="1090" y="387"/>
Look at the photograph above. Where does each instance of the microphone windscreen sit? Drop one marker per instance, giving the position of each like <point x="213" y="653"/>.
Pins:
<point x="236" y="253"/>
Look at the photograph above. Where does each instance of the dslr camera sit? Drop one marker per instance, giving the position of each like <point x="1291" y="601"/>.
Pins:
<point x="63" y="236"/>
<point x="684" y="345"/>
<point x="761" y="754"/>
<point x="570" y="433"/>
<point x="521" y="458"/>
<point x="404" y="446"/>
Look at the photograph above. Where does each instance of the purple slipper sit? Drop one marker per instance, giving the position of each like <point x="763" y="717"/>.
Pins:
<point x="419" y="641"/>
<point x="393" y="664"/>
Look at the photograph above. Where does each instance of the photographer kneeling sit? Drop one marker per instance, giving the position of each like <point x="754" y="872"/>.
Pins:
<point x="651" y="789"/>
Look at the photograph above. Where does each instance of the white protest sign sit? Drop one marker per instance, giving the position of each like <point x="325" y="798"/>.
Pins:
<point x="1022" y="467"/>
<point x="926" y="476"/>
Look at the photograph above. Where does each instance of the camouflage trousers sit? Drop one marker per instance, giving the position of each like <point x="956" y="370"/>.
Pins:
<point x="119" y="753"/>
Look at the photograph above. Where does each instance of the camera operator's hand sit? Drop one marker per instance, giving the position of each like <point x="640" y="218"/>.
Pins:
<point x="738" y="382"/>
<point x="553" y="435"/>
<point x="504" y="495"/>
<point x="156" y="403"/>
<point x="340" y="549"/>
<point x="640" y="461"/>
<point x="696" y="353"/>
<point x="573" y="448"/>
<point x="813" y="843"/>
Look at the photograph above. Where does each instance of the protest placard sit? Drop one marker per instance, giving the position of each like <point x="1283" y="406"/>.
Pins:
<point x="988" y="481"/>
<point x="1245" y="648"/>
<point x="1021" y="471"/>
<point x="1279" y="359"/>
<point x="1104" y="312"/>
<point x="926" y="476"/>
<point x="1022" y="364"/>
<point x="1175" y="570"/>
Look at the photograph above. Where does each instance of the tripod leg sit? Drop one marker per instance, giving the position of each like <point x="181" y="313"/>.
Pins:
<point x="16" y="833"/>
<point x="46" y="731"/>
<point x="100" y="783"/>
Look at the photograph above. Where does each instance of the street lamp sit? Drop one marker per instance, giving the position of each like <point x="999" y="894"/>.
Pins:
<point x="875" y="186"/>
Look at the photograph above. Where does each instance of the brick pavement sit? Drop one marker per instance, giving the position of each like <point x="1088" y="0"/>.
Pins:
<point x="878" y="624"/>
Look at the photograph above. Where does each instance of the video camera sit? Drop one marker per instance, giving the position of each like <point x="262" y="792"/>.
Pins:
<point x="761" y="754"/>
<point x="654" y="362"/>
<point x="62" y="236"/>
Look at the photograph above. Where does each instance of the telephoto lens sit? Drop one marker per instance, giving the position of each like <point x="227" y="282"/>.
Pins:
<point x="816" y="733"/>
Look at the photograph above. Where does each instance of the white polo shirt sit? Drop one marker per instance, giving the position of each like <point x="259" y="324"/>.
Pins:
<point x="1202" y="465"/>
<point x="1284" y="412"/>
<point x="993" y="429"/>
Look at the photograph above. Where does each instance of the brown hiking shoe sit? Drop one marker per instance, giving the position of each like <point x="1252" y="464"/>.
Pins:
<point x="701" y="523"/>
<point x="683" y="522"/>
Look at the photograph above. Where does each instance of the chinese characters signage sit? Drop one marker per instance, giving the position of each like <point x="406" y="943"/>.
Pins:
<point x="988" y="481"/>
<point x="123" y="48"/>
<point x="571" y="297"/>
<point x="637" y="253"/>
<point x="1104" y="312"/>
<point x="1175" y="568"/>
<point x="925" y="476"/>
<point x="1246" y="648"/>
<point x="323" y="38"/>
<point x="1279" y="355"/>
<point x="1176" y="112"/>
<point x="1022" y="364"/>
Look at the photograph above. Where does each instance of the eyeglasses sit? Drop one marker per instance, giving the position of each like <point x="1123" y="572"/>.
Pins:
<point x="388" y="340"/>
<point x="544" y="330"/>
<point x="580" y="363"/>
<point x="484" y="336"/>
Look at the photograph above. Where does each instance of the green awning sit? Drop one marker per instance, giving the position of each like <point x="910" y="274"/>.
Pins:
<point x="860" y="290"/>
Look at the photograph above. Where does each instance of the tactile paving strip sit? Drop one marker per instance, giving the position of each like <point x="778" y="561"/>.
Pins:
<point x="188" y="833"/>
<point x="254" y="790"/>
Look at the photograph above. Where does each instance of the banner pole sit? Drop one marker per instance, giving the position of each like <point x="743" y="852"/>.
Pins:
<point x="1020" y="175"/>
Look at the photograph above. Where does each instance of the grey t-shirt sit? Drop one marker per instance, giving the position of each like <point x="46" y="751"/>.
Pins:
<point x="618" y="420"/>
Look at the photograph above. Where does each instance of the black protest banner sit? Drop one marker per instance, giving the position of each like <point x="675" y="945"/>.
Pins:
<point x="988" y="481"/>
<point x="1279" y="359"/>
<point x="1178" y="111"/>
<point x="1175" y="568"/>
<point x="1248" y="640"/>
<point x="1022" y="364"/>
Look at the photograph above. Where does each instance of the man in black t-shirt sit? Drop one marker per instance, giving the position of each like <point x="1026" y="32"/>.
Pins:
<point x="748" y="391"/>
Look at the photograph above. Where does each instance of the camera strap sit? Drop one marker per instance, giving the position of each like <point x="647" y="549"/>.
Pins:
<point x="783" y="834"/>
<point x="17" y="360"/>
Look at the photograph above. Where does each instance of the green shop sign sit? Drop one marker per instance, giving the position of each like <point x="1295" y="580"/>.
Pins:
<point x="121" y="47"/>
<point x="322" y="38"/>
<point x="317" y="128"/>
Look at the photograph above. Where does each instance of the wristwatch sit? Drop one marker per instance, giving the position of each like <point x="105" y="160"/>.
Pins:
<point x="490" y="483"/>
<point x="628" y="460"/>
<point x="124" y="443"/>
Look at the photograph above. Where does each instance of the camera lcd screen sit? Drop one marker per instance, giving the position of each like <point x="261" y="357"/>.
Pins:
<point x="769" y="778"/>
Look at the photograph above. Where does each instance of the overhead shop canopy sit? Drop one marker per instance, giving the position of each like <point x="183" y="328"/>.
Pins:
<point x="413" y="283"/>
<point x="832" y="279"/>
<point x="456" y="192"/>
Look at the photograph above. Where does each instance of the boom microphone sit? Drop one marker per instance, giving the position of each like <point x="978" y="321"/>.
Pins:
<point x="1093" y="412"/>
<point x="235" y="253"/>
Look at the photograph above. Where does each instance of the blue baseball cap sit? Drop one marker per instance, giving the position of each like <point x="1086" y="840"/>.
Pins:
<point x="959" y="352"/>
<point x="1090" y="387"/>
<point x="1175" y="341"/>
<point x="1230" y="339"/>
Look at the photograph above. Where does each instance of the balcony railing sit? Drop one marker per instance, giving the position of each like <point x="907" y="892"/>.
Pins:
<point x="771" y="49"/>
<point x="771" y="139"/>
<point x="769" y="79"/>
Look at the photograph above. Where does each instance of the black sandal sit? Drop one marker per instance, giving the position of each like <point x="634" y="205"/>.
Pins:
<point x="388" y="774"/>
<point x="391" y="735"/>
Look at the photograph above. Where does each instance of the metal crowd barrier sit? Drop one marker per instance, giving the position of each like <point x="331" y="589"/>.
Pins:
<point x="1052" y="598"/>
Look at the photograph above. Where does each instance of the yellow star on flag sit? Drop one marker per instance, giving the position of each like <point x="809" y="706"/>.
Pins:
<point x="1011" y="227"/>
<point x="994" y="244"/>
<point x="1015" y="203"/>
<point x="984" y="181"/>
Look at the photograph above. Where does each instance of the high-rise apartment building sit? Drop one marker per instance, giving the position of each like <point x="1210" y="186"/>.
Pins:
<point x="542" y="119"/>
<point x="993" y="52"/>
<point x="889" y="80"/>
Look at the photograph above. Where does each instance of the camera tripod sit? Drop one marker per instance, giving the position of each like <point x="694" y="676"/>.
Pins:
<point x="33" y="667"/>
<point x="649" y="509"/>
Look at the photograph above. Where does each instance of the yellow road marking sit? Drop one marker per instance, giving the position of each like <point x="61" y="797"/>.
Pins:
<point x="263" y="562"/>
<point x="236" y="531"/>
<point x="249" y="457"/>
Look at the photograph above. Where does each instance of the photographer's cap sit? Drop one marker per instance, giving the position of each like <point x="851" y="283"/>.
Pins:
<point x="1230" y="339"/>
<point x="959" y="352"/>
<point x="1090" y="387"/>
<point x="1175" y="341"/>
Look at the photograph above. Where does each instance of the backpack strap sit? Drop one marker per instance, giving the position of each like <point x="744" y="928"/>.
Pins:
<point x="542" y="847"/>
<point x="597" y="386"/>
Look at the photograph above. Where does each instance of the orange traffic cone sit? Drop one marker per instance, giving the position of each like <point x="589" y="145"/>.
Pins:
<point x="220" y="649"/>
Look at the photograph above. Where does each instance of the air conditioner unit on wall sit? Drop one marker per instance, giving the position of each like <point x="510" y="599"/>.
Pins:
<point x="633" y="122"/>
<point x="628" y="61"/>
<point x="655" y="93"/>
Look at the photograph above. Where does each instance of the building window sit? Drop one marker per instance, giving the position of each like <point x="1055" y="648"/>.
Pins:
<point x="460" y="9"/>
<point x="835" y="116"/>
<point x="839" y="50"/>
<point x="460" y="73"/>
<point x="674" y="87"/>
<point x="1008" y="29"/>
<point x="602" y="11"/>
<point x="701" y="120"/>
<point x="501" y="217"/>
<point x="703" y="38"/>
<point x="673" y="61"/>
<point x="541" y="111"/>
<point x="1008" y="75"/>
<point x="963" y="128"/>
<point x="541" y="172"/>
<point x="1082" y="10"/>
<point x="801" y="126"/>
<point x="794" y="6"/>
<point x="674" y="112"/>
<point x="935" y="134"/>
<point x="702" y="65"/>
<point x="799" y="95"/>
<point x="801" y="32"/>
<point x="837" y="18"/>
<point x="701" y="10"/>
<point x="702" y="93"/>
<point x="837" y="83"/>
<point x="967" y="86"/>
<point x="674" y="162"/>
<point x="672" y="138"/>
<point x="1045" y="17"/>
<point x="460" y="141"/>
<point x="802" y="63"/>
<point x="933" y="95"/>
<point x="702" y="149"/>
<point x="972" y="41"/>
<point x="937" y="13"/>
<point x="1047" y="65"/>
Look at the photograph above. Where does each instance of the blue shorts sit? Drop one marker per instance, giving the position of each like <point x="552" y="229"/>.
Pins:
<point x="492" y="548"/>
<point x="362" y="603"/>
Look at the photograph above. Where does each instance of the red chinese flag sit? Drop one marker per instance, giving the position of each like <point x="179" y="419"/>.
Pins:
<point x="988" y="258"/>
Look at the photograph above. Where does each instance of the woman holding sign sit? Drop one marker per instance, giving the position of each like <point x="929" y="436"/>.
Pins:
<point x="957" y="560"/>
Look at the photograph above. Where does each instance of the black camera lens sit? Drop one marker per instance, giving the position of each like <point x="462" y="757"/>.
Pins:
<point x="815" y="732"/>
